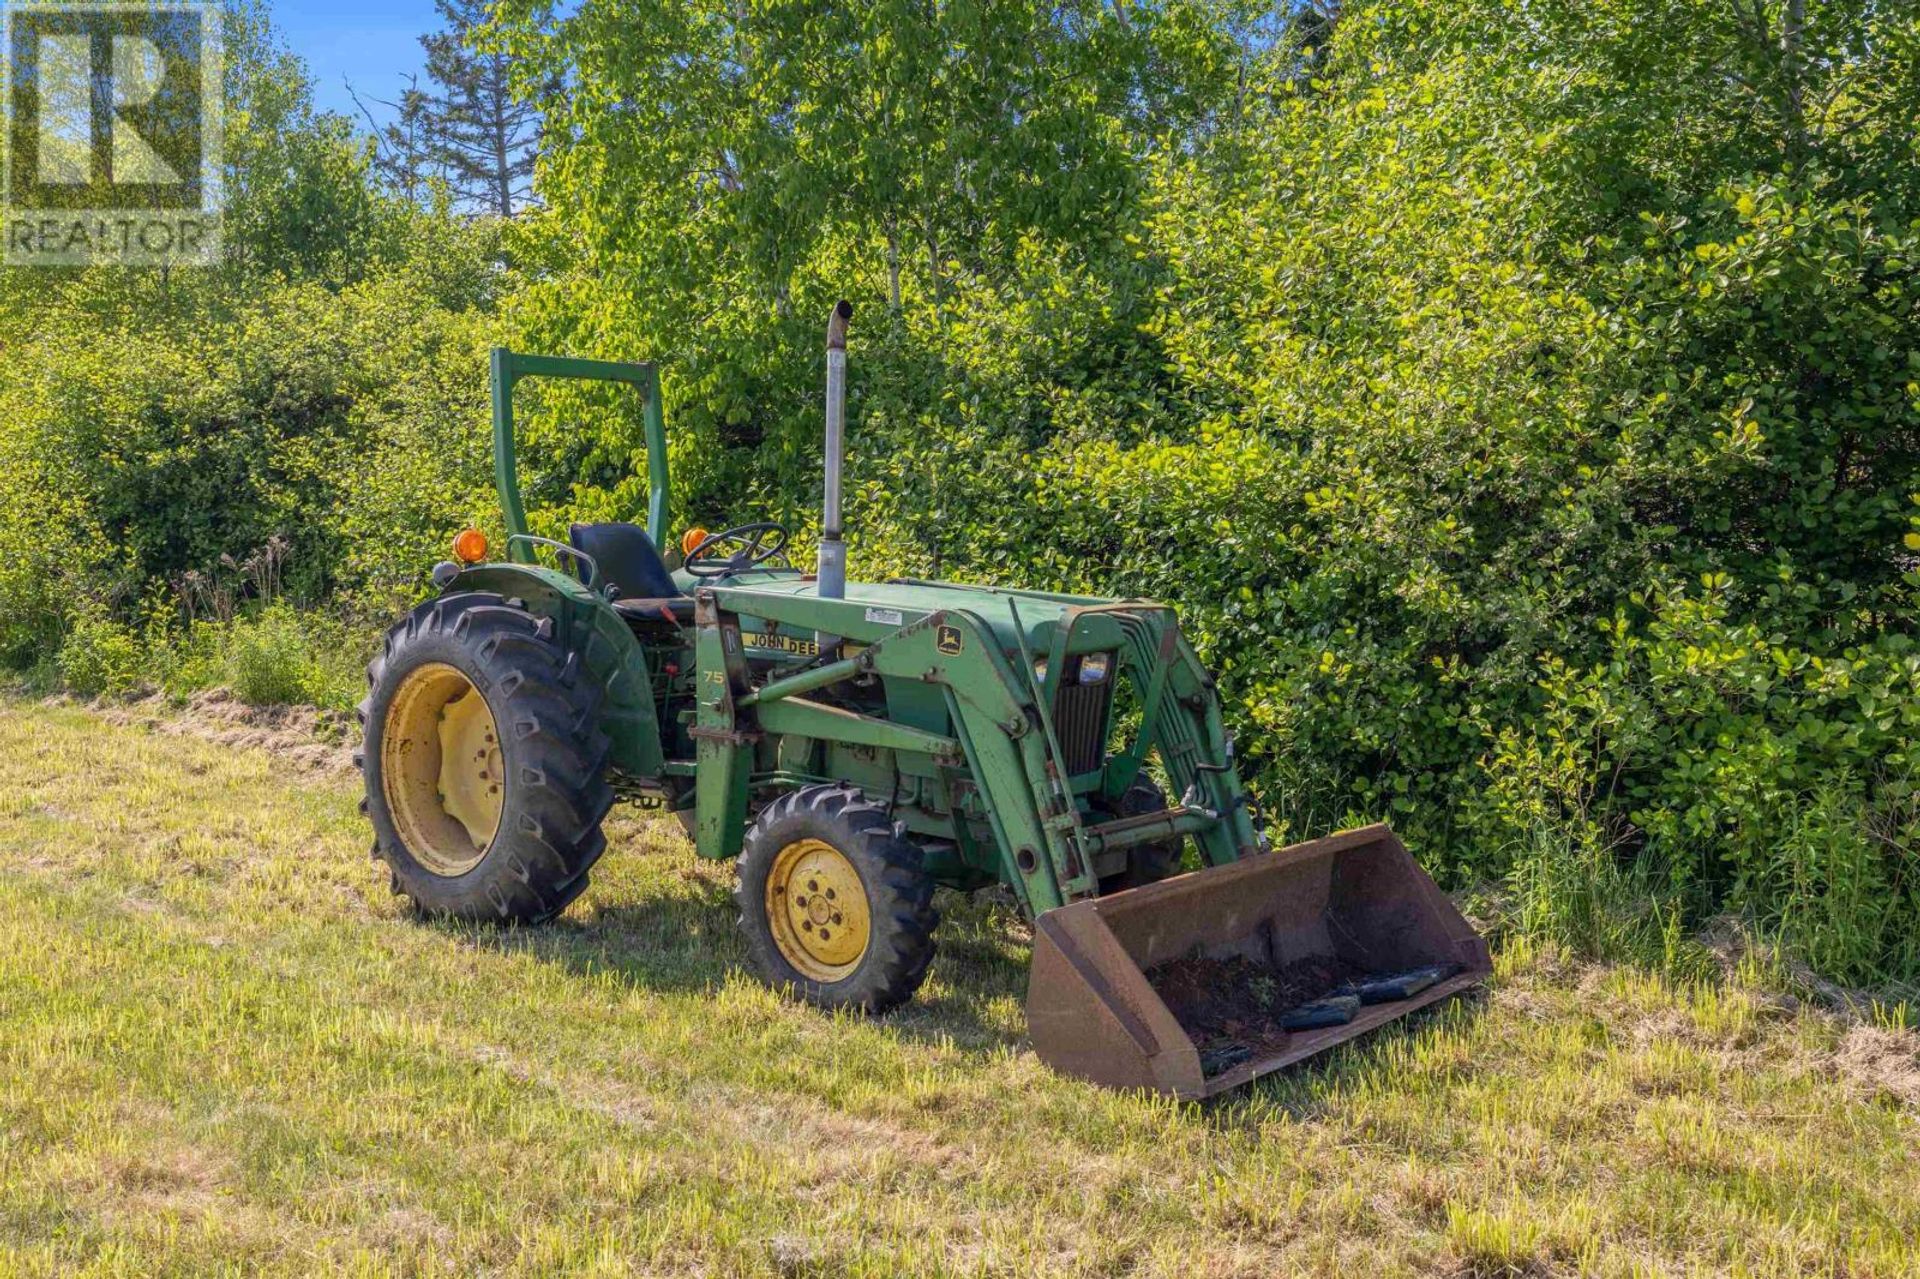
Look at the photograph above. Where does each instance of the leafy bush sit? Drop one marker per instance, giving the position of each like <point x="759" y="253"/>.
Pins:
<point x="52" y="553"/>
<point x="1522" y="415"/>
<point x="99" y="655"/>
<point x="274" y="656"/>
<point x="1760" y="777"/>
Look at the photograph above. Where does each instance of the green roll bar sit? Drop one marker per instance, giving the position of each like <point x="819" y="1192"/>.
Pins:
<point x="508" y="368"/>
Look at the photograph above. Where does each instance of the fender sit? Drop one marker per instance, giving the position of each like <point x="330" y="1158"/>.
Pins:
<point x="589" y="626"/>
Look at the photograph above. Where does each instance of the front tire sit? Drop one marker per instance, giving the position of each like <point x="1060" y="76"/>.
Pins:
<point x="484" y="762"/>
<point x="1146" y="863"/>
<point x="833" y="903"/>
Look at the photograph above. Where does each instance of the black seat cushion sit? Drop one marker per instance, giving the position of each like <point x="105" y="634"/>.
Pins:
<point x="627" y="559"/>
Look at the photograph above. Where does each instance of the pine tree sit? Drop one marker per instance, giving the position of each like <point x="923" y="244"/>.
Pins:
<point x="478" y="134"/>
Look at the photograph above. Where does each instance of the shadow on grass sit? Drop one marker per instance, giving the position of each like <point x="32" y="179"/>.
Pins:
<point x="662" y="921"/>
<point x="682" y="935"/>
<point x="669" y="942"/>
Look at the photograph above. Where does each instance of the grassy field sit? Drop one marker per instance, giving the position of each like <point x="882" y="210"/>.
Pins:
<point x="224" y="1048"/>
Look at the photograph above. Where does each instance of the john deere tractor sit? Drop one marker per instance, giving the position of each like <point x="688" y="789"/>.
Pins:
<point x="854" y="745"/>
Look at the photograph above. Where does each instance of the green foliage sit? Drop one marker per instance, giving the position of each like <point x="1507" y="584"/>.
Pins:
<point x="51" y="553"/>
<point x="99" y="655"/>
<point x="159" y="427"/>
<point x="1762" y="778"/>
<point x="273" y="656"/>
<point x="1846" y="895"/>
<point x="1525" y="417"/>
<point x="726" y="173"/>
<point x="265" y="659"/>
<point x="185" y="452"/>
<point x="282" y="657"/>
<point x="299" y="203"/>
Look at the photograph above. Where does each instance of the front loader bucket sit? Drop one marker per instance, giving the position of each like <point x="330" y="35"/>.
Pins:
<point x="1265" y="961"/>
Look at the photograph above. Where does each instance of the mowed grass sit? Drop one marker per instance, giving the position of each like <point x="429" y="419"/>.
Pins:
<point x="225" y="1048"/>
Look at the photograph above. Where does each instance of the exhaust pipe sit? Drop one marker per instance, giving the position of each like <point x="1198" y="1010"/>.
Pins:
<point x="832" y="572"/>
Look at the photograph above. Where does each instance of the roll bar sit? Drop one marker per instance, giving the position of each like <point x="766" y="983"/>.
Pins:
<point x="508" y="368"/>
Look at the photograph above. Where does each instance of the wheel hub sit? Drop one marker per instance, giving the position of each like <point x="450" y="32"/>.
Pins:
<point x="471" y="773"/>
<point x="441" y="768"/>
<point x="817" y="907"/>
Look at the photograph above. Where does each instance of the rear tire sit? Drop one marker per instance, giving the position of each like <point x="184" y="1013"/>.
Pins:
<point x="515" y="842"/>
<point x="834" y="904"/>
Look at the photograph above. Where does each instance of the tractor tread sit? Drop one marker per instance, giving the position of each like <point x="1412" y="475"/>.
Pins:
<point x="899" y="893"/>
<point x="558" y="793"/>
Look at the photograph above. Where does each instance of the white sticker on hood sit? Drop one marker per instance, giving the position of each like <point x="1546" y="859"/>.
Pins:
<point x="884" y="616"/>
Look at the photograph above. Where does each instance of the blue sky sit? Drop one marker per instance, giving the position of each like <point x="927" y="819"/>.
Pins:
<point x="373" y="43"/>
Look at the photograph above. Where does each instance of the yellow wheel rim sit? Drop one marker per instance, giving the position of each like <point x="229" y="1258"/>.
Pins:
<point x="817" y="907"/>
<point x="441" y="770"/>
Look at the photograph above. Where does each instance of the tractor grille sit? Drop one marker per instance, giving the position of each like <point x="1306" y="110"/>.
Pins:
<point x="1080" y="719"/>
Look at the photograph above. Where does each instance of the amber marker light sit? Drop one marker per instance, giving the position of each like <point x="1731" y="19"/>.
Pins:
<point x="470" y="547"/>
<point x="692" y="538"/>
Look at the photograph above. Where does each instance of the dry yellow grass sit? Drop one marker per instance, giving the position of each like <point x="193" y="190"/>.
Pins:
<point x="225" y="1049"/>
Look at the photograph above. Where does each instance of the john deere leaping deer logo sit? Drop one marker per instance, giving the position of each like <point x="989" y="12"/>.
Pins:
<point x="947" y="640"/>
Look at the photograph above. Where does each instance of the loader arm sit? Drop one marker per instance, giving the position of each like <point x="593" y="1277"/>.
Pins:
<point x="1000" y="741"/>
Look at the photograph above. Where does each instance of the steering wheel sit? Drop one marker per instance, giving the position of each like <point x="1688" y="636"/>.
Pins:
<point x="752" y="543"/>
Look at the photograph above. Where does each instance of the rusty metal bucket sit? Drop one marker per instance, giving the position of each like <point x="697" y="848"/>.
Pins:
<point x="1357" y="900"/>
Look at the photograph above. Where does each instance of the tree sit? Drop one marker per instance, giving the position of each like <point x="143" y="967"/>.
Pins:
<point x="298" y="203"/>
<point x="404" y="153"/>
<point x="715" y="174"/>
<point x="476" y="130"/>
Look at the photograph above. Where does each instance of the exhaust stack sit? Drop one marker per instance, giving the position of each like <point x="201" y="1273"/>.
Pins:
<point x="832" y="571"/>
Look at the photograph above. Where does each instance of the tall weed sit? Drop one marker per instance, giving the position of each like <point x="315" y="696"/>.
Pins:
<point x="1844" y="900"/>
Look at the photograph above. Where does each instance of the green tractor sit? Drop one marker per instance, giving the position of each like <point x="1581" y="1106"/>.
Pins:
<point x="853" y="746"/>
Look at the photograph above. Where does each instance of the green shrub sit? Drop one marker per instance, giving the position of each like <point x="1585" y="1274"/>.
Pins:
<point x="334" y="675"/>
<point x="99" y="656"/>
<point x="283" y="656"/>
<point x="1756" y="776"/>
<point x="267" y="658"/>
<point x="52" y="552"/>
<point x="186" y="659"/>
<point x="275" y="656"/>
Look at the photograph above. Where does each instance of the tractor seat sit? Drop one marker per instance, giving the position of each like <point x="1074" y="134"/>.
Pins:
<point x="627" y="560"/>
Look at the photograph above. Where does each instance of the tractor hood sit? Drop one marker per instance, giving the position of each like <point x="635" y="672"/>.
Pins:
<point x="1017" y="618"/>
